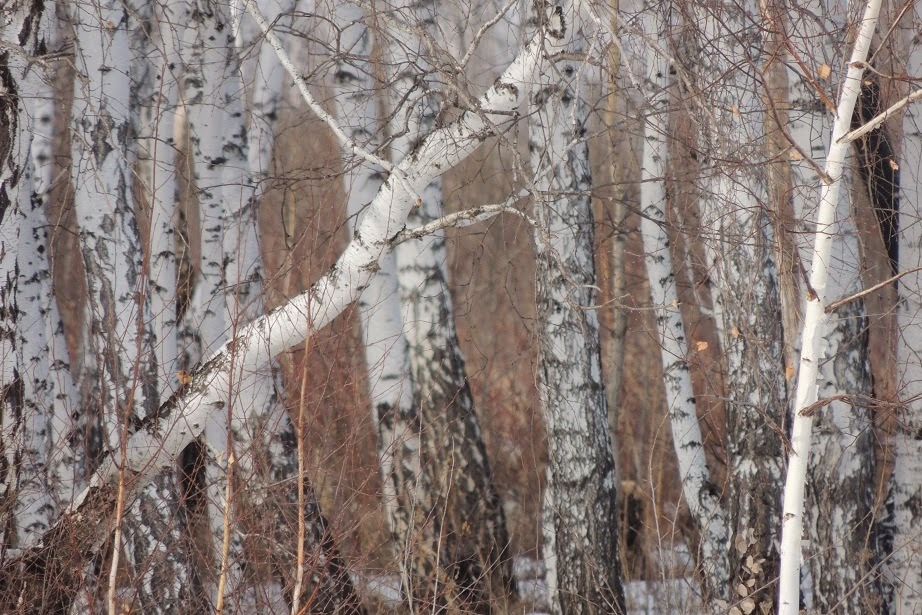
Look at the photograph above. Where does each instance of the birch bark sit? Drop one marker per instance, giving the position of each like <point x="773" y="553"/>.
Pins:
<point x="394" y="410"/>
<point x="159" y="439"/>
<point x="906" y="485"/>
<point x="581" y="520"/>
<point x="740" y="251"/>
<point x="841" y="468"/>
<point x="701" y="494"/>
<point x="56" y="384"/>
<point x="470" y="533"/>
<point x="117" y="346"/>
<point x="159" y="92"/>
<point x="21" y="27"/>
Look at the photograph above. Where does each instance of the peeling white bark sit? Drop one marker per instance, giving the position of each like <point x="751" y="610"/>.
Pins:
<point x="23" y="26"/>
<point x="159" y="92"/>
<point x="582" y="525"/>
<point x="814" y="347"/>
<point x="701" y="494"/>
<point x="118" y="377"/>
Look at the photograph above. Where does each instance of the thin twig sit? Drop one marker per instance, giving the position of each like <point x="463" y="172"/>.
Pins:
<point x="344" y="139"/>
<point x="851" y="399"/>
<point x="483" y="30"/>
<point x="880" y="119"/>
<point x="833" y="306"/>
<point x="463" y="218"/>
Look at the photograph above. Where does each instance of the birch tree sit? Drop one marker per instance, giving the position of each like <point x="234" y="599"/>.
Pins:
<point x="842" y="465"/>
<point x="701" y="494"/>
<point x="471" y="533"/>
<point x="581" y="537"/>
<point x="906" y="483"/>
<point x="395" y="414"/>
<point x="117" y="346"/>
<point x="742" y="266"/>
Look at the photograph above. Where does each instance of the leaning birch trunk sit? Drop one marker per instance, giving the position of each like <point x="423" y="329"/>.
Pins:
<point x="701" y="494"/>
<point x="584" y="572"/>
<point x="474" y="566"/>
<point x="841" y="467"/>
<point x="815" y="337"/>
<point x="741" y="257"/>
<point x="407" y="500"/>
<point x="906" y="483"/>
<point x="81" y="530"/>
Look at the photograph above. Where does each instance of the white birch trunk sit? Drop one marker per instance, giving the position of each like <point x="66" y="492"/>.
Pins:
<point x="23" y="26"/>
<point x="582" y="525"/>
<point x="57" y="386"/>
<point x="159" y="440"/>
<point x="27" y="436"/>
<point x="470" y="534"/>
<point x="841" y="467"/>
<point x="906" y="561"/>
<point x="157" y="173"/>
<point x="701" y="494"/>
<point x="740" y="249"/>
<point x="393" y="408"/>
<point x="117" y="347"/>
<point x="218" y="139"/>
<point x="815" y="336"/>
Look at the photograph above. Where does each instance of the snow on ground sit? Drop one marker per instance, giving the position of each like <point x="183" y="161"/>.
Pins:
<point x="674" y="596"/>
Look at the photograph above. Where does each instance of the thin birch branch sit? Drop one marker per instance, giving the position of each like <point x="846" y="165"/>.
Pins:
<point x="834" y="306"/>
<point x="881" y="118"/>
<point x="461" y="219"/>
<point x="815" y="321"/>
<point x="329" y="120"/>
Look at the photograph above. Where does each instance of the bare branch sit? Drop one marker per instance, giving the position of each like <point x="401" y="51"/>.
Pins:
<point x="881" y="118"/>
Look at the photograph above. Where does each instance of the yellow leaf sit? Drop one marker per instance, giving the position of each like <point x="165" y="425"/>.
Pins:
<point x="824" y="71"/>
<point x="735" y="110"/>
<point x="184" y="377"/>
<point x="735" y="332"/>
<point x="789" y="372"/>
<point x="894" y="165"/>
<point x="675" y="303"/>
<point x="701" y="346"/>
<point x="795" y="155"/>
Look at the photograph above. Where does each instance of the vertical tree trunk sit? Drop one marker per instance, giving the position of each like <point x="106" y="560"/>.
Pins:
<point x="23" y="28"/>
<point x="746" y="302"/>
<point x="407" y="500"/>
<point x="907" y="441"/>
<point x="842" y="466"/>
<point x="584" y="573"/>
<point x="118" y="352"/>
<point x="701" y="494"/>
<point x="158" y="98"/>
<point x="470" y="530"/>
